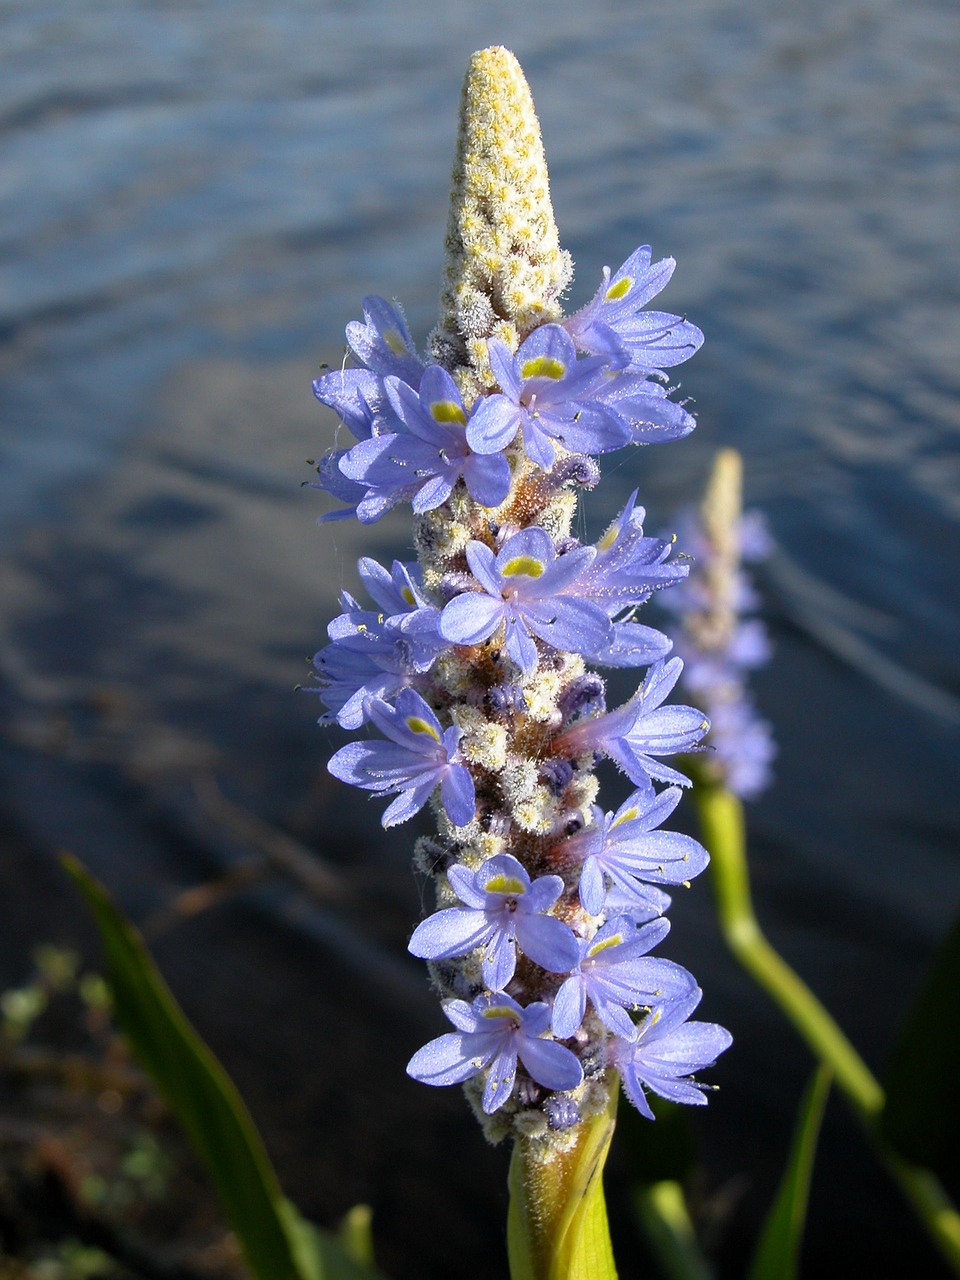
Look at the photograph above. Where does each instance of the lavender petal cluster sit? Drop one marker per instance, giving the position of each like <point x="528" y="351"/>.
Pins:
<point x="721" y="641"/>
<point x="471" y="675"/>
<point x="471" y="668"/>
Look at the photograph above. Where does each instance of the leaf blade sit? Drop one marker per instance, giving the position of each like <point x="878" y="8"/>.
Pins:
<point x="277" y="1243"/>
<point x="778" y="1249"/>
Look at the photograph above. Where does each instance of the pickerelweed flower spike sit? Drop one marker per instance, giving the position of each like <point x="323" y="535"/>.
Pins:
<point x="469" y="671"/>
<point x="720" y="643"/>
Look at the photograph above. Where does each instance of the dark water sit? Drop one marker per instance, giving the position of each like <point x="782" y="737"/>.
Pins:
<point x="193" y="198"/>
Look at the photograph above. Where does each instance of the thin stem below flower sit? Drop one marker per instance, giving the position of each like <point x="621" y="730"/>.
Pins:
<point x="557" y="1222"/>
<point x="723" y="829"/>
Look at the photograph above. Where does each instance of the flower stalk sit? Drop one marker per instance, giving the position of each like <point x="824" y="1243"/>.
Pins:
<point x="557" y="1222"/>
<point x="475" y="668"/>
<point x="724" y="835"/>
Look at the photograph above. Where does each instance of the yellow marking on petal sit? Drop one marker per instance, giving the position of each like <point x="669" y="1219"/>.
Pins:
<point x="618" y="290"/>
<point x="527" y="565"/>
<point x="625" y="817"/>
<point x="609" y="538"/>
<point x="499" y="1011"/>
<point x="408" y="595"/>
<point x="505" y="884"/>
<point x="448" y="411"/>
<point x="614" y="941"/>
<point x="395" y="342"/>
<point x="418" y="725"/>
<point x="543" y="367"/>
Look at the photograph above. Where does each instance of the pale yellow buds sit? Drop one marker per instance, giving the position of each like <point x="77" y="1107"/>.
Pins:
<point x="720" y="515"/>
<point x="505" y="270"/>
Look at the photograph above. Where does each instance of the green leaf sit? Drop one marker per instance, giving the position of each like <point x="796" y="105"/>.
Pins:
<point x="355" y="1234"/>
<point x="662" y="1210"/>
<point x="557" y="1221"/>
<point x="778" y="1249"/>
<point x="276" y="1242"/>
<point x="321" y="1256"/>
<point x="921" y="1119"/>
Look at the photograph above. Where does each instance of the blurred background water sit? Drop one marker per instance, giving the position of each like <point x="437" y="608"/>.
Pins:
<point x="193" y="199"/>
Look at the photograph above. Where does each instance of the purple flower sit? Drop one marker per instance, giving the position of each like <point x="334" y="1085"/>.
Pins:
<point x="355" y="394"/>
<point x="633" y="645"/>
<point x="491" y="1034"/>
<point x="628" y="567"/>
<point x="616" y="975"/>
<point x="549" y="395"/>
<point x="611" y="323"/>
<point x="666" y="1051"/>
<point x="419" y="757"/>
<point x="437" y="417"/>
<point x="428" y="453"/>
<point x="641" y="729"/>
<point x="372" y="655"/>
<point x="626" y="848"/>
<point x="382" y="343"/>
<point x="645" y="409"/>
<point x="719" y="646"/>
<point x="348" y="681"/>
<point x="409" y="613"/>
<point x="382" y="346"/>
<point x="522" y="591"/>
<point x="743" y="745"/>
<point x="503" y="909"/>
<point x="332" y="480"/>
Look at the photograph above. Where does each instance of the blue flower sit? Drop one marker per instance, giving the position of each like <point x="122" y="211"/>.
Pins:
<point x="626" y="848"/>
<point x="419" y="757"/>
<point x="332" y="480"/>
<point x="718" y="644"/>
<point x="522" y="591"/>
<point x="504" y="909"/>
<point x="383" y="342"/>
<point x="644" y="408"/>
<point x="409" y="613"/>
<point x="641" y="729"/>
<point x="633" y="645"/>
<point x="348" y="680"/>
<point x="625" y="571"/>
<point x="549" y="395"/>
<point x="372" y="655"/>
<point x="616" y="975"/>
<point x="611" y="322"/>
<point x="355" y="394"/>
<point x="667" y="1050"/>
<point x="491" y="1035"/>
<point x="427" y="454"/>
<point x="384" y="347"/>
<point x="628" y="566"/>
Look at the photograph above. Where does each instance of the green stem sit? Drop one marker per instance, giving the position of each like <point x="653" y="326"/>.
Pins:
<point x="723" y="829"/>
<point x="557" y="1221"/>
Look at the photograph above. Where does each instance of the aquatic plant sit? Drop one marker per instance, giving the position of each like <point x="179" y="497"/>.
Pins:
<point x="474" y="664"/>
<point x="721" y="640"/>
